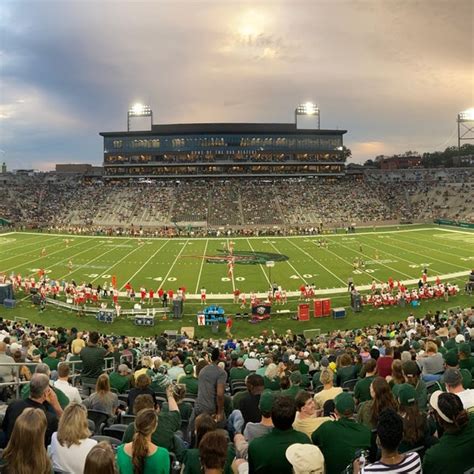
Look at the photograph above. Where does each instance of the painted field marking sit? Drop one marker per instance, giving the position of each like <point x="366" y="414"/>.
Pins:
<point x="289" y="263"/>
<point x="172" y="265"/>
<point x="202" y="265"/>
<point x="143" y="266"/>
<point x="260" y="265"/>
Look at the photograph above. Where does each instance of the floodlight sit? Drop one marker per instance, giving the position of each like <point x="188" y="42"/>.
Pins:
<point x="139" y="110"/>
<point x="308" y="108"/>
<point x="465" y="126"/>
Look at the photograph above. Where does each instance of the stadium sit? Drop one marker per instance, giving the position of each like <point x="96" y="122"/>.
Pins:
<point x="240" y="280"/>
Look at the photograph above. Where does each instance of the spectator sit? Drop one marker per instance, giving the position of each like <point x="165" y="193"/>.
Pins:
<point x="252" y="363"/>
<point x="72" y="393"/>
<point x="78" y="344"/>
<point x="51" y="360"/>
<point x="239" y="372"/>
<point x="213" y="452"/>
<point x="382" y="399"/>
<point x="189" y="380"/>
<point x="305" y="459"/>
<point x="248" y="402"/>
<point x="389" y="436"/>
<point x="295" y="385"/>
<point x="306" y="420"/>
<point x="23" y="370"/>
<point x="146" y="367"/>
<point x="271" y="378"/>
<point x="345" y="370"/>
<point x="42" y="397"/>
<point x="159" y="378"/>
<point x="6" y="373"/>
<point x="44" y="369"/>
<point x="168" y="421"/>
<point x="71" y="444"/>
<point x="92" y="357"/>
<point x="265" y="425"/>
<point x="142" y="387"/>
<point x="384" y="363"/>
<point x="453" y="453"/>
<point x="453" y="381"/>
<point x="267" y="453"/>
<point x="339" y="440"/>
<point x="329" y="392"/>
<point x="141" y="456"/>
<point x="102" y="399"/>
<point x="411" y="371"/>
<point x="397" y="377"/>
<point x="466" y="361"/>
<point x="362" y="387"/>
<point x="417" y="430"/>
<point x="120" y="379"/>
<point x="176" y="370"/>
<point x="431" y="362"/>
<point x="26" y="452"/>
<point x="451" y="361"/>
<point x="101" y="460"/>
<point x="211" y="387"/>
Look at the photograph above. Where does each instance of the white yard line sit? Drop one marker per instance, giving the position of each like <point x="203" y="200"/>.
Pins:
<point x="16" y="247"/>
<point x="202" y="265"/>
<point x="441" y="245"/>
<point x="143" y="266"/>
<point x="29" y="251"/>
<point x="53" y="253"/>
<point x="316" y="261"/>
<point x="260" y="265"/>
<point x="173" y="264"/>
<point x="288" y="262"/>
<point x="425" y="249"/>
<point x="379" y="263"/>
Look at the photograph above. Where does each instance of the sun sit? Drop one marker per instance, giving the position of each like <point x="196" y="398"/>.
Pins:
<point x="251" y="24"/>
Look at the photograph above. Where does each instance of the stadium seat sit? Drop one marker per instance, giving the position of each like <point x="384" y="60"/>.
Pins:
<point x="127" y="419"/>
<point x="115" y="431"/>
<point x="99" y="418"/>
<point x="108" y="439"/>
<point x="349" y="385"/>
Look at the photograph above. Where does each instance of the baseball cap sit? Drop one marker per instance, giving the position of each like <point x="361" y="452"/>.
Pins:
<point x="124" y="368"/>
<point x="189" y="369"/>
<point x="407" y="395"/>
<point x="344" y="403"/>
<point x="292" y="357"/>
<point x="410" y="368"/>
<point x="452" y="377"/>
<point x="266" y="401"/>
<point x="459" y="338"/>
<point x="451" y="358"/>
<point x="324" y="362"/>
<point x="434" y="402"/>
<point x="415" y="345"/>
<point x="465" y="349"/>
<point x="295" y="377"/>
<point x="51" y="350"/>
<point x="305" y="458"/>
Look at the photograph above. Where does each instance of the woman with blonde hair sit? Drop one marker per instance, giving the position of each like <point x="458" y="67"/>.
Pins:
<point x="431" y="362"/>
<point x="271" y="378"/>
<point x="329" y="392"/>
<point x="141" y="456"/>
<point x="102" y="399"/>
<point x="71" y="444"/>
<point x="25" y="452"/>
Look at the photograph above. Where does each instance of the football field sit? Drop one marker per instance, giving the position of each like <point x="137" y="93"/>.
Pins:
<point x="327" y="261"/>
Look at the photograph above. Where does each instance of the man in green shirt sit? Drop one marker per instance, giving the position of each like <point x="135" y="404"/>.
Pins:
<point x="339" y="440"/>
<point x="267" y="453"/>
<point x="120" y="380"/>
<point x="239" y="372"/>
<point x="92" y="357"/>
<point x="453" y="452"/>
<point x="465" y="359"/>
<point x="189" y="380"/>
<point x="51" y="361"/>
<point x="451" y="361"/>
<point x="295" y="385"/>
<point x="362" y="387"/>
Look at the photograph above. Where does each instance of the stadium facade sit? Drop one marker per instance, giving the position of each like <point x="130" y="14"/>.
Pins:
<point x="223" y="150"/>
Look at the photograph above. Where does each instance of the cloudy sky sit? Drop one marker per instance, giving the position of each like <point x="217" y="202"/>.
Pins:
<point x="393" y="73"/>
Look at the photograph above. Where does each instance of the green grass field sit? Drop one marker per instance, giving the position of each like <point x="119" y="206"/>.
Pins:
<point x="398" y="252"/>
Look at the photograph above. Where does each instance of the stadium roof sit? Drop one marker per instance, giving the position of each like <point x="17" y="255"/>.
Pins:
<point x="237" y="128"/>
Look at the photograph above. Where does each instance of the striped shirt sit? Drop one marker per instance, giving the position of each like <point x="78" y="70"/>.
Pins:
<point x="411" y="464"/>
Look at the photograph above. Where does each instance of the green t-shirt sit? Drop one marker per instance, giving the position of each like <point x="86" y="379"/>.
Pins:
<point x="121" y="383"/>
<point x="168" y="423"/>
<point x="339" y="440"/>
<point x="344" y="374"/>
<point x="92" y="361"/>
<point x="238" y="373"/>
<point x="271" y="384"/>
<point x="453" y="452"/>
<point x="157" y="463"/>
<point x="362" y="389"/>
<point x="191" y="384"/>
<point x="291" y="392"/>
<point x="266" y="454"/>
<point x="51" y="362"/>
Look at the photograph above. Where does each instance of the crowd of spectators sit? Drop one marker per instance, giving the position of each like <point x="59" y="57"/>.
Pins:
<point x="388" y="398"/>
<point x="65" y="204"/>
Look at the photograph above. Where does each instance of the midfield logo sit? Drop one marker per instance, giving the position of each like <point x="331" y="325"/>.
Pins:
<point x="245" y="258"/>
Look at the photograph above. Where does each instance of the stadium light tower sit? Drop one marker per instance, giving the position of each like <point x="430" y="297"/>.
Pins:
<point x="465" y="126"/>
<point x="310" y="111"/>
<point x="139" y="110"/>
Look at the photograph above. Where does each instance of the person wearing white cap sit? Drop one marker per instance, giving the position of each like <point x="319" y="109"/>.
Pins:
<point x="252" y="363"/>
<point x="305" y="459"/>
<point x="453" y="452"/>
